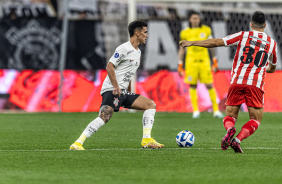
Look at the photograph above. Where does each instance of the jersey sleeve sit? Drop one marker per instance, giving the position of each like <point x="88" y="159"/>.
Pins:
<point x="118" y="56"/>
<point x="182" y="35"/>
<point x="274" y="55"/>
<point x="209" y="33"/>
<point x="233" y="39"/>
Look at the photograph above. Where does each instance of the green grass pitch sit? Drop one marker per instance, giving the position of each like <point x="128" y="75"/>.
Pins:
<point x="34" y="150"/>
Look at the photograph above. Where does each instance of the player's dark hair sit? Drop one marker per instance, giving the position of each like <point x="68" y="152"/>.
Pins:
<point x="258" y="19"/>
<point x="136" y="25"/>
<point x="190" y="13"/>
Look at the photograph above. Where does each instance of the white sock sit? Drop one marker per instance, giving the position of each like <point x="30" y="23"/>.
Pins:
<point x="148" y="121"/>
<point x="237" y="140"/>
<point x="93" y="127"/>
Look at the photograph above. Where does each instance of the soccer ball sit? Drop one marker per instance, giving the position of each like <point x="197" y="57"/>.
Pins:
<point x="185" y="138"/>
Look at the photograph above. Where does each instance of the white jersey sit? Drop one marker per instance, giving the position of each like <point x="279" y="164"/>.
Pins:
<point x="126" y="60"/>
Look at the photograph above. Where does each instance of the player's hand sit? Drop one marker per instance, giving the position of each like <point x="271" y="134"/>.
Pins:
<point x="185" y="43"/>
<point x="214" y="65"/>
<point x="180" y="70"/>
<point x="117" y="91"/>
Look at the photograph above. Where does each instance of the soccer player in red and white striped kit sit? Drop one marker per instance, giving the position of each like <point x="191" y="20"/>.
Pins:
<point x="255" y="55"/>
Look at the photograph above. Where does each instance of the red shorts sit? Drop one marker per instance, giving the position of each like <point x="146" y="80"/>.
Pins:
<point x="240" y="93"/>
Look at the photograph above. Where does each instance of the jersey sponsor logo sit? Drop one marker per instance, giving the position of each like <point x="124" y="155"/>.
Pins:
<point x="128" y="76"/>
<point x="116" y="55"/>
<point x="130" y="52"/>
<point x="116" y="102"/>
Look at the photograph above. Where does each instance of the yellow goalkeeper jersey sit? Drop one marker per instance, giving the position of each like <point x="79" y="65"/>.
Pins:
<point x="196" y="56"/>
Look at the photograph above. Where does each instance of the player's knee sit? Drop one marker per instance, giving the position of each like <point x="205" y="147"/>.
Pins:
<point x="193" y="86"/>
<point x="106" y="113"/>
<point x="209" y="86"/>
<point x="231" y="112"/>
<point x="255" y="113"/>
<point x="255" y="117"/>
<point x="105" y="119"/>
<point x="228" y="111"/>
<point x="151" y="105"/>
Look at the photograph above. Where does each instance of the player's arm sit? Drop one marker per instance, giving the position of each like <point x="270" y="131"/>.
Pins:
<point x="181" y="54"/>
<point x="210" y="43"/>
<point x="112" y="75"/>
<point x="129" y="87"/>
<point x="271" y="68"/>
<point x="214" y="60"/>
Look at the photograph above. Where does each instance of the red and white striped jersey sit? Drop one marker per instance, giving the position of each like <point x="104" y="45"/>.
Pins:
<point x="254" y="49"/>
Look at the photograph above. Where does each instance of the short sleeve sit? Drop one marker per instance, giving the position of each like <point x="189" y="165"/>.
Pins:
<point x="209" y="33"/>
<point x="233" y="39"/>
<point x="182" y="35"/>
<point x="274" y="55"/>
<point x="118" y="56"/>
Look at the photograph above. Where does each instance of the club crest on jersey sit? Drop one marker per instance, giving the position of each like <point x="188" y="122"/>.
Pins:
<point x="116" y="55"/>
<point x="116" y="101"/>
<point x="190" y="78"/>
<point x="203" y="35"/>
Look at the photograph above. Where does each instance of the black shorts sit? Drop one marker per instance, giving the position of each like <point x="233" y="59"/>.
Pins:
<point x="125" y="100"/>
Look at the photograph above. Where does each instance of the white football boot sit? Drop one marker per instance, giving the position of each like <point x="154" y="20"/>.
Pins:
<point x="217" y="114"/>
<point x="196" y="114"/>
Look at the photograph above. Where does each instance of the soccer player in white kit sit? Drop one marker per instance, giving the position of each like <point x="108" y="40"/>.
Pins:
<point x="116" y="89"/>
<point x="256" y="54"/>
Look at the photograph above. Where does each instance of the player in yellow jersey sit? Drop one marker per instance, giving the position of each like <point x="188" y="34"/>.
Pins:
<point x="197" y="63"/>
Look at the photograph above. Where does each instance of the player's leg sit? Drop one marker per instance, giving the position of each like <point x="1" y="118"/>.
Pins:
<point x="107" y="108"/>
<point x="212" y="92"/>
<point x="229" y="124"/>
<point x="194" y="100"/>
<point x="105" y="115"/>
<point x="207" y="78"/>
<point x="254" y="100"/>
<point x="191" y="77"/>
<point x="235" y="98"/>
<point x="249" y="128"/>
<point x="149" y="107"/>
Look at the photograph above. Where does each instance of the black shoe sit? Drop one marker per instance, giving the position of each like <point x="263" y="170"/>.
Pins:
<point x="226" y="140"/>
<point x="236" y="146"/>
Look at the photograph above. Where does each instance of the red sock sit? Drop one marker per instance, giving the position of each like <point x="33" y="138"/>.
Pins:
<point x="248" y="129"/>
<point x="228" y="122"/>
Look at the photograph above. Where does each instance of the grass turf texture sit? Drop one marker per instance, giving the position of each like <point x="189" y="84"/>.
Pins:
<point x="34" y="149"/>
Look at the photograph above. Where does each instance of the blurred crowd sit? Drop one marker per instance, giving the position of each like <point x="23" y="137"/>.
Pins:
<point x="80" y="9"/>
<point x="112" y="9"/>
<point x="13" y="9"/>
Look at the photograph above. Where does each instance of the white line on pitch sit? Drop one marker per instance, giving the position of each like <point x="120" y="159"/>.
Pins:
<point x="136" y="149"/>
